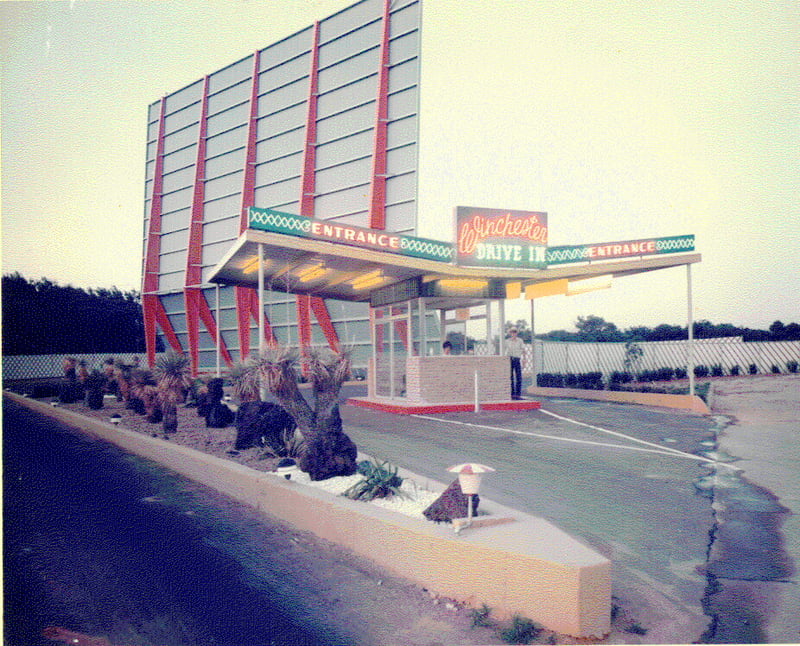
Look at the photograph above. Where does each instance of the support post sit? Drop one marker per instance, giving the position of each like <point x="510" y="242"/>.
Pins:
<point x="502" y="332"/>
<point x="533" y="344"/>
<point x="263" y="388"/>
<point x="219" y="327"/>
<point x="690" y="329"/>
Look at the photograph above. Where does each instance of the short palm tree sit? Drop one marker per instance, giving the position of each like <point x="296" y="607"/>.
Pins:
<point x="172" y="374"/>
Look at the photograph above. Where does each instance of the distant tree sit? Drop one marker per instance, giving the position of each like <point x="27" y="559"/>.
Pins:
<point x="596" y="329"/>
<point x="42" y="317"/>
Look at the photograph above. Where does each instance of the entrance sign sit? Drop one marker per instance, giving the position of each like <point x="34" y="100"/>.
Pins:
<point x="334" y="231"/>
<point x="610" y="250"/>
<point x="500" y="238"/>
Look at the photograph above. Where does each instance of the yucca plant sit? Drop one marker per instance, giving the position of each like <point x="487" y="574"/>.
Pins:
<point x="95" y="383"/>
<point x="328" y="451"/>
<point x="246" y="380"/>
<point x="173" y="375"/>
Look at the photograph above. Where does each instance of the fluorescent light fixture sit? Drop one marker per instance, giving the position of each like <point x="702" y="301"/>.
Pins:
<point x="463" y="285"/>
<point x="252" y="265"/>
<point x="589" y="284"/>
<point x="311" y="272"/>
<point x="368" y="280"/>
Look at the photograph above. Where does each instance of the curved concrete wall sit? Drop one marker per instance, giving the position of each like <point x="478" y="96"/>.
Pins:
<point x="526" y="566"/>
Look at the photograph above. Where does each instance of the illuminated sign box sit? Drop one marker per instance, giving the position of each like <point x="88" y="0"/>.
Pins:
<point x="332" y="231"/>
<point x="626" y="249"/>
<point x="501" y="238"/>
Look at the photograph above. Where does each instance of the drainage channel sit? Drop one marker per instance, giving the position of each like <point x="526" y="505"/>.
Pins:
<point x="745" y="550"/>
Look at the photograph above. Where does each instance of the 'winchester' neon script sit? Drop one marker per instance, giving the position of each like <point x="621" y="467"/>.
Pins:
<point x="500" y="238"/>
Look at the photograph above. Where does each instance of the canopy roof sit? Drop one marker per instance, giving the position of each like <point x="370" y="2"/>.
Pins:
<point x="331" y="270"/>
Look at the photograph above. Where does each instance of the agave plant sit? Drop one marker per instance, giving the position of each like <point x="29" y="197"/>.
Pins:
<point x="172" y="373"/>
<point x="246" y="380"/>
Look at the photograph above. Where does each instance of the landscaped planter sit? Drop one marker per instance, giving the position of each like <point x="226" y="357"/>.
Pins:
<point x="526" y="566"/>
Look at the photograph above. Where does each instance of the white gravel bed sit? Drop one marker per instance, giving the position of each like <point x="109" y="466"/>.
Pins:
<point x="412" y="503"/>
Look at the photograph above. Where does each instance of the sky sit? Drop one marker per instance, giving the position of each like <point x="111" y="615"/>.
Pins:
<point x="621" y="120"/>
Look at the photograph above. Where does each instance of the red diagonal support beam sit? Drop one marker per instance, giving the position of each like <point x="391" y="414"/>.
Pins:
<point x="320" y="310"/>
<point x="377" y="205"/>
<point x="153" y="247"/>
<point x="194" y="254"/>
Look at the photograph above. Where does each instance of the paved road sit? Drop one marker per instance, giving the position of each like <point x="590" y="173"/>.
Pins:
<point x="632" y="482"/>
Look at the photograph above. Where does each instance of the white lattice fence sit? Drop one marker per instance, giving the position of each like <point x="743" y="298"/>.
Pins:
<point x="557" y="357"/>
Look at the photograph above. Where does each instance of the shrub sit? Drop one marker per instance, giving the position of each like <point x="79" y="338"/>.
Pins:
<point x="571" y="381"/>
<point x="700" y="371"/>
<point x="791" y="366"/>
<point x="590" y="381"/>
<point x="550" y="380"/>
<point x="753" y="369"/>
<point x="680" y="373"/>
<point x="480" y="616"/>
<point x="380" y="480"/>
<point x="521" y="631"/>
<point x="716" y="370"/>
<point x="735" y="370"/>
<point x="776" y="370"/>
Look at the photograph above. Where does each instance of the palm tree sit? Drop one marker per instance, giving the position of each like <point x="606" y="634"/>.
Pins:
<point x="172" y="373"/>
<point x="328" y="450"/>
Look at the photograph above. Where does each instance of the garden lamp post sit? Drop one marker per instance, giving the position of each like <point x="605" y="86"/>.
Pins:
<point x="469" y="479"/>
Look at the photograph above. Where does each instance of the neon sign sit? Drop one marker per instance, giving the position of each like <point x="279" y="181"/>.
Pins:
<point x="626" y="249"/>
<point x="500" y="238"/>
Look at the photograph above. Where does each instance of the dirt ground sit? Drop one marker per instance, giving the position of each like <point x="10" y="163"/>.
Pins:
<point x="372" y="605"/>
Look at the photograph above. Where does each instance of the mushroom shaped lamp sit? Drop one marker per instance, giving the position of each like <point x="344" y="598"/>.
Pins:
<point x="469" y="479"/>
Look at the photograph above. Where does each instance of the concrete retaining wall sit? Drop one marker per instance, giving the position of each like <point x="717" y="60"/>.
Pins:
<point x="527" y="566"/>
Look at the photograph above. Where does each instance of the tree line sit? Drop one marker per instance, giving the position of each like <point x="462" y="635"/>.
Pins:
<point x="43" y="317"/>
<point x="592" y="329"/>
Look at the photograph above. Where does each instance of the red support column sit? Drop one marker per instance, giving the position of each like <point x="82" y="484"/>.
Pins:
<point x="308" y="182"/>
<point x="324" y="318"/>
<point x="153" y="247"/>
<point x="377" y="207"/>
<point x="247" y="297"/>
<point x="193" y="279"/>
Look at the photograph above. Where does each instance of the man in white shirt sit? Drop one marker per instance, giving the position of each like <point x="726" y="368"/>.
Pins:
<point x="514" y="349"/>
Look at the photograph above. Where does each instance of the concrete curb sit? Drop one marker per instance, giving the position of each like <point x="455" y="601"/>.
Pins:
<point x="690" y="403"/>
<point x="527" y="567"/>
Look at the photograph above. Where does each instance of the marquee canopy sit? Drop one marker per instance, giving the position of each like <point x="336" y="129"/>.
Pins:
<point x="307" y="265"/>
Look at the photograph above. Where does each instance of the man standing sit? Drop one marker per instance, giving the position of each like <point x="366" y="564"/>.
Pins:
<point x="514" y="349"/>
